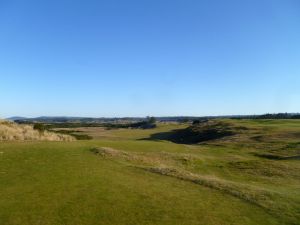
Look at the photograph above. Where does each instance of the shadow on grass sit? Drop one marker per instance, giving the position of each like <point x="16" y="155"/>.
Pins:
<point x="277" y="157"/>
<point x="190" y="135"/>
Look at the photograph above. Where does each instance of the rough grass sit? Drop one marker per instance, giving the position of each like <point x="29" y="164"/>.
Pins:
<point x="10" y="131"/>
<point x="163" y="164"/>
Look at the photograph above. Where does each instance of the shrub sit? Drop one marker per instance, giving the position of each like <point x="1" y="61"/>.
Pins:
<point x="40" y="127"/>
<point x="151" y="120"/>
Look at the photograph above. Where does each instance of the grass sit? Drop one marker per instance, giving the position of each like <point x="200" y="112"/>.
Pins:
<point x="74" y="133"/>
<point x="10" y="131"/>
<point x="119" y="178"/>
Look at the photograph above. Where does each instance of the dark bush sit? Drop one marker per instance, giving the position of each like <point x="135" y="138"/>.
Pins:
<point x="39" y="126"/>
<point x="196" y="122"/>
<point x="151" y="120"/>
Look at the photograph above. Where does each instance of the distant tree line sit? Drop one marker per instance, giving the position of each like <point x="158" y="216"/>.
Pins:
<point x="280" y="116"/>
<point x="148" y="123"/>
<point x="271" y="116"/>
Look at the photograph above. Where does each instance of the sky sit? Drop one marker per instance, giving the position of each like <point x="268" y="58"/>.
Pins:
<point x="149" y="58"/>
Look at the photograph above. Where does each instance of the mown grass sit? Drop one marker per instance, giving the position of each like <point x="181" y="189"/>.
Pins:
<point x="224" y="181"/>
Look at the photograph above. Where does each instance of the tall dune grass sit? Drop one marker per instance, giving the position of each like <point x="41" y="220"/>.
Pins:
<point x="10" y="131"/>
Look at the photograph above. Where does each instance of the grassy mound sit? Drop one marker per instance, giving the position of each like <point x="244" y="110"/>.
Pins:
<point x="10" y="131"/>
<point x="202" y="132"/>
<point x="174" y="165"/>
<point x="206" y="131"/>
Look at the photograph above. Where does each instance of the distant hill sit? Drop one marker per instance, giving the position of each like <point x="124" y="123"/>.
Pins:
<point x="57" y="119"/>
<point x="16" y="118"/>
<point x="66" y="119"/>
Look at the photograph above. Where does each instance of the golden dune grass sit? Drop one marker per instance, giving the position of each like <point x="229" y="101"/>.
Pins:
<point x="10" y="131"/>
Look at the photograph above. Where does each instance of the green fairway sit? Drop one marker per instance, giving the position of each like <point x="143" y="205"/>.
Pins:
<point x="120" y="177"/>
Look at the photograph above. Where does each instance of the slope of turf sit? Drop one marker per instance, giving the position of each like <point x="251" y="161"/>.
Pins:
<point x="154" y="182"/>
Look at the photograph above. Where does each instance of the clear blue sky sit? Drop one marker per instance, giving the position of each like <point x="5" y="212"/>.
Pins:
<point x="149" y="57"/>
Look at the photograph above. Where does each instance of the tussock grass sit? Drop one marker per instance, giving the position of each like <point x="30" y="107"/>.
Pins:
<point x="150" y="159"/>
<point x="133" y="157"/>
<point x="10" y="131"/>
<point x="245" y="192"/>
<point x="248" y="193"/>
<point x="265" y="168"/>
